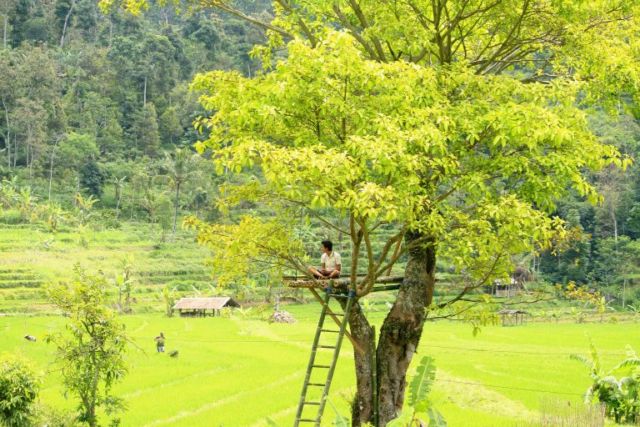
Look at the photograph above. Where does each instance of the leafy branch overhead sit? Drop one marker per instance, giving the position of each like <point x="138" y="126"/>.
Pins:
<point x="444" y="151"/>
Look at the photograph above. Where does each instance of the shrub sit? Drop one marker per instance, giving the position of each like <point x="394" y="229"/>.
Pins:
<point x="18" y="392"/>
<point x="11" y="216"/>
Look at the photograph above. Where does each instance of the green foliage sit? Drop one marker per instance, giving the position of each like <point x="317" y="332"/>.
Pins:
<point x="405" y="155"/>
<point x="621" y="396"/>
<point x="421" y="383"/>
<point x="91" y="353"/>
<point x="76" y="149"/>
<point x="339" y="421"/>
<point x="145" y="128"/>
<point x="179" y="167"/>
<point x="19" y="388"/>
<point x="169" y="298"/>
<point x="418" y="401"/>
<point x="250" y="236"/>
<point x="124" y="283"/>
<point x="53" y="215"/>
<point x="84" y="208"/>
<point x="92" y="178"/>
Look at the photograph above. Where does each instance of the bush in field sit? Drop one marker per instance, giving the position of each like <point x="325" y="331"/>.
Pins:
<point x="92" y="178"/>
<point x="621" y="396"/>
<point x="8" y="193"/>
<point x="52" y="214"/>
<point x="18" y="392"/>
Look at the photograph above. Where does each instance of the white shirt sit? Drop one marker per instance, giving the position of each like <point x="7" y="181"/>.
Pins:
<point x="331" y="261"/>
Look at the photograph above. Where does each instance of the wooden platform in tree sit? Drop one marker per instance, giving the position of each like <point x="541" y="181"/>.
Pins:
<point x="384" y="283"/>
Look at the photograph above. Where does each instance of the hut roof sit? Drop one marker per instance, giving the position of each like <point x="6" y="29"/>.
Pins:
<point x="210" y="303"/>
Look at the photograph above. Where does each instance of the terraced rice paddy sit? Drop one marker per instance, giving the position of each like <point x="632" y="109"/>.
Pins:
<point x="32" y="256"/>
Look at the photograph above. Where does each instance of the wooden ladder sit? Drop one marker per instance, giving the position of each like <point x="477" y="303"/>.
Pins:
<point x="328" y="369"/>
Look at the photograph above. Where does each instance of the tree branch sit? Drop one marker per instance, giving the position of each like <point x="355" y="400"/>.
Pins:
<point x="468" y="288"/>
<point x="219" y="4"/>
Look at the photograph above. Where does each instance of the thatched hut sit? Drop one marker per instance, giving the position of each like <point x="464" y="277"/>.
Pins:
<point x="200" y="307"/>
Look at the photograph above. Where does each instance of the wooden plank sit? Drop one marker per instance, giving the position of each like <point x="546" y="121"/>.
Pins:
<point x="337" y="283"/>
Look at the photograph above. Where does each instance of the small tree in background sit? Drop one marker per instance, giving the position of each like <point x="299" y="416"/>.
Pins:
<point x="179" y="166"/>
<point x="124" y="282"/>
<point x="84" y="208"/>
<point x="118" y="184"/>
<point x="18" y="392"/>
<point x="169" y="297"/>
<point x="92" y="178"/>
<point x="91" y="353"/>
<point x="145" y="129"/>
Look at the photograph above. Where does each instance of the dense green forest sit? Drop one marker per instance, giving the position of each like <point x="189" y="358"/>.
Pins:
<point x="92" y="100"/>
<point x="97" y="114"/>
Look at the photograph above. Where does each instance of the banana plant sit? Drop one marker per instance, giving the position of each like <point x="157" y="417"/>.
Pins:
<point x="84" y="206"/>
<point x="419" y="401"/>
<point x="621" y="396"/>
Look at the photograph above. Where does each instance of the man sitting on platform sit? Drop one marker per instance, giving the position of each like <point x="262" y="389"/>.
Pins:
<point x="331" y="263"/>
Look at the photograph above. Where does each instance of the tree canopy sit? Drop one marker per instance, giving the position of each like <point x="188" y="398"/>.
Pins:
<point x="455" y="124"/>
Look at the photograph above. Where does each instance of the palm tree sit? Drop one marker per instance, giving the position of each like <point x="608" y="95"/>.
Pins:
<point x="179" y="166"/>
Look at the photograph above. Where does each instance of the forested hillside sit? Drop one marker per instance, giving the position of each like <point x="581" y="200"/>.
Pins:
<point x="97" y="112"/>
<point x="92" y="100"/>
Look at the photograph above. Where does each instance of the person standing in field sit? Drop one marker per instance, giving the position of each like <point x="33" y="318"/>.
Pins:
<point x="331" y="263"/>
<point x="160" y="343"/>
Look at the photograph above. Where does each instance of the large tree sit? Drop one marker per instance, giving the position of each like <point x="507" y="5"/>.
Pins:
<point x="458" y="124"/>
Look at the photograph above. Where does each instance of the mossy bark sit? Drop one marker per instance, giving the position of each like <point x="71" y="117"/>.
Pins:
<point x="399" y="338"/>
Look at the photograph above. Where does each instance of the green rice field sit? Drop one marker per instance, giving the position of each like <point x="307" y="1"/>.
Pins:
<point x="239" y="370"/>
<point x="247" y="372"/>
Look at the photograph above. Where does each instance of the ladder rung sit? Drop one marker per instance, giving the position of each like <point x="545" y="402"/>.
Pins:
<point x="312" y="403"/>
<point x="329" y="330"/>
<point x="327" y="346"/>
<point x="317" y="384"/>
<point x="306" y="420"/>
<point x="321" y="366"/>
<point x="337" y="314"/>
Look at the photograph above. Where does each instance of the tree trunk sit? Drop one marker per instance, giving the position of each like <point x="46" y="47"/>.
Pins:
<point x="110" y="31"/>
<point x="118" y="197"/>
<point x="175" y="206"/>
<point x="66" y="23"/>
<point x="144" y="92"/>
<point x="4" y="32"/>
<point x="399" y="338"/>
<point x="53" y="153"/>
<point x="7" y="137"/>
<point x="8" y="145"/>
<point x="614" y="220"/>
<point x="402" y="329"/>
<point x="362" y="409"/>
